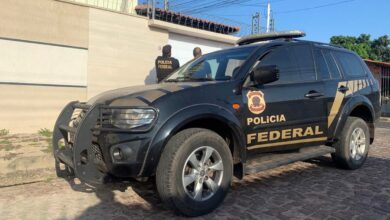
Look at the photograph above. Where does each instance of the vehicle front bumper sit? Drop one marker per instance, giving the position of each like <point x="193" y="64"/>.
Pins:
<point x="86" y="150"/>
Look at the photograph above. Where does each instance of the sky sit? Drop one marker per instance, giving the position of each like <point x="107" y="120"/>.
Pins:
<point x="320" y="19"/>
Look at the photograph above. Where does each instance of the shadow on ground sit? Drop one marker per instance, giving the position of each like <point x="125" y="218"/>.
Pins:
<point x="313" y="190"/>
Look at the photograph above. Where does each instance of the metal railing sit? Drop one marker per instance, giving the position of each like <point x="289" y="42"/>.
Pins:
<point x="385" y="84"/>
<point x="129" y="6"/>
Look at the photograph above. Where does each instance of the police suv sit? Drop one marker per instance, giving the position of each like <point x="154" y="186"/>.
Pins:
<point x="270" y="101"/>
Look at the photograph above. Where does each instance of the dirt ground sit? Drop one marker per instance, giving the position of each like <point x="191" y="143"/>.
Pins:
<point x="25" y="158"/>
<point x="303" y="190"/>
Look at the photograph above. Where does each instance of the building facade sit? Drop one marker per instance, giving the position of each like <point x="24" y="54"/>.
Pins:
<point x="56" y="51"/>
<point x="381" y="71"/>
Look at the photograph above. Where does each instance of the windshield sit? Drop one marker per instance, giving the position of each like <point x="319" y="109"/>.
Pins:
<point x="221" y="65"/>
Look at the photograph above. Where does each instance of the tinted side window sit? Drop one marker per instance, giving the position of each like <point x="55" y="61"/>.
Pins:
<point x="332" y="66"/>
<point x="288" y="69"/>
<point x="233" y="66"/>
<point x="321" y="66"/>
<point x="304" y="58"/>
<point x="350" y="63"/>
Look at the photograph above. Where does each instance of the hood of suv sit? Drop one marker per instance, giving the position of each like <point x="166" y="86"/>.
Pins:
<point x="141" y="95"/>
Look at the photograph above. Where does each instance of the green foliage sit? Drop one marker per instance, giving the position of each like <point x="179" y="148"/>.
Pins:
<point x="5" y="142"/>
<point x="4" y="132"/>
<point x="45" y="132"/>
<point x="377" y="49"/>
<point x="48" y="134"/>
<point x="6" y="145"/>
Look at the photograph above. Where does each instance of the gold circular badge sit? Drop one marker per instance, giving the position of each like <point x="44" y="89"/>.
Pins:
<point x="256" y="102"/>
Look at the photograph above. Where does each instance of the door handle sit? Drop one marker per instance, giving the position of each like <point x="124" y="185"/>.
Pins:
<point x="343" y="89"/>
<point x="313" y="95"/>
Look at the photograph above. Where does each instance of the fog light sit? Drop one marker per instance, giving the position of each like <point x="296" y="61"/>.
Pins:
<point x="117" y="154"/>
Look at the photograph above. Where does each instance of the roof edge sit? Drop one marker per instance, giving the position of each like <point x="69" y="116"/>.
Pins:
<point x="188" y="31"/>
<point x="261" y="37"/>
<point x="387" y="64"/>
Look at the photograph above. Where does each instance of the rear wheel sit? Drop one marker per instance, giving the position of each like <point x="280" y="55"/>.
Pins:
<point x="194" y="172"/>
<point x="352" y="148"/>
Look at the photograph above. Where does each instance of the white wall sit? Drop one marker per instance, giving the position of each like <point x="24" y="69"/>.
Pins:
<point x="35" y="63"/>
<point x="115" y="5"/>
<point x="182" y="46"/>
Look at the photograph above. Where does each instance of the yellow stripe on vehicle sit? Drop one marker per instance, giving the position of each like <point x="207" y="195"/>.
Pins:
<point x="355" y="86"/>
<point x="288" y="142"/>
<point x="336" y="104"/>
<point x="350" y="86"/>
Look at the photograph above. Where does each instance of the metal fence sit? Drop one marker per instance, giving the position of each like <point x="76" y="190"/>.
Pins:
<point x="385" y="82"/>
<point x="128" y="7"/>
<point x="385" y="86"/>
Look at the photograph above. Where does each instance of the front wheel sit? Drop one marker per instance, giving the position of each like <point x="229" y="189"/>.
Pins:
<point x="194" y="172"/>
<point x="352" y="148"/>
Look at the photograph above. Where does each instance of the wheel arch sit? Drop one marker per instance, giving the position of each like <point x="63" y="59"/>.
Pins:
<point x="212" y="117"/>
<point x="361" y="107"/>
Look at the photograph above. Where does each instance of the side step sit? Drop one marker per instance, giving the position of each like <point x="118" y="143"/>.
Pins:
<point x="269" y="161"/>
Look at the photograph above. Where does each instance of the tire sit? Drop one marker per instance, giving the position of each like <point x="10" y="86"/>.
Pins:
<point x="345" y="156"/>
<point x="175" y="163"/>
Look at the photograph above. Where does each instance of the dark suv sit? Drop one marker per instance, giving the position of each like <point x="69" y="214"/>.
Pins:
<point x="270" y="101"/>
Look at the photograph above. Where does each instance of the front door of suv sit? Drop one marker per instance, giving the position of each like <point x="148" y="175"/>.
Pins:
<point x="290" y="112"/>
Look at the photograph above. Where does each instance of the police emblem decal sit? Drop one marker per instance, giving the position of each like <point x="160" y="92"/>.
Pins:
<point x="256" y="102"/>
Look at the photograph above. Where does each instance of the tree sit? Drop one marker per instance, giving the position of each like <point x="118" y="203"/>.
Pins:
<point x="377" y="49"/>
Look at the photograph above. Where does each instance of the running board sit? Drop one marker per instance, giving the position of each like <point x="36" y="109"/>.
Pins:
<point x="269" y="161"/>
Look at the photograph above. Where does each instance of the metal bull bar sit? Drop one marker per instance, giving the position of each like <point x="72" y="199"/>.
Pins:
<point x="76" y="156"/>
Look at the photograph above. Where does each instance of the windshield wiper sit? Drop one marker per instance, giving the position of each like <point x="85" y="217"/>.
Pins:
<point x="171" y="80"/>
<point x="178" y="79"/>
<point x="202" y="79"/>
<point x="188" y="79"/>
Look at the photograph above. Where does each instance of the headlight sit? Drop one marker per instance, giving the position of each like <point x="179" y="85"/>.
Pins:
<point x="132" y="118"/>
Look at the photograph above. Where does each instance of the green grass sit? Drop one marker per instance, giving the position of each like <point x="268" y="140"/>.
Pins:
<point x="5" y="142"/>
<point x="4" y="132"/>
<point x="35" y="144"/>
<point x="6" y="145"/>
<point x="10" y="156"/>
<point x="47" y="133"/>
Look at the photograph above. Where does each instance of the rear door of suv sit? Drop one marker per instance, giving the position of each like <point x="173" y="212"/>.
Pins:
<point x="335" y="85"/>
<point x="344" y="76"/>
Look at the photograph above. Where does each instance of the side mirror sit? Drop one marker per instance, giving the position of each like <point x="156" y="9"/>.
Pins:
<point x="265" y="74"/>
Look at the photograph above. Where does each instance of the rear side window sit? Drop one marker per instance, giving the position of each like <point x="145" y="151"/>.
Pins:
<point x="321" y="66"/>
<point x="332" y="66"/>
<point x="295" y="63"/>
<point x="350" y="63"/>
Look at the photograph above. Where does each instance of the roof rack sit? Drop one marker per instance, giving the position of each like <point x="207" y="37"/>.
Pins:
<point x="270" y="36"/>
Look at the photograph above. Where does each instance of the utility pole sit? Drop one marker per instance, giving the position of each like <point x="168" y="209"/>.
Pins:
<point x="151" y="9"/>
<point x="272" y="25"/>
<point x="166" y="5"/>
<point x="256" y="23"/>
<point x="268" y="16"/>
